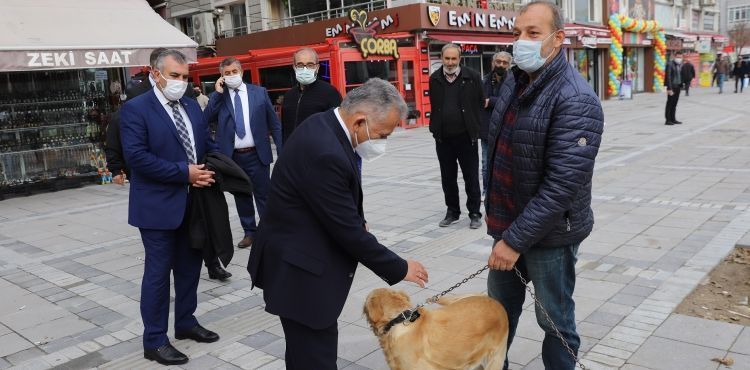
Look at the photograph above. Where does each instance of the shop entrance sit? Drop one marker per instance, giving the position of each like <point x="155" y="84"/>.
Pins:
<point x="585" y="61"/>
<point x="634" y="68"/>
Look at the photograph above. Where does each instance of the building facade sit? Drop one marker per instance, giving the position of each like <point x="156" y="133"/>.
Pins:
<point x="735" y="22"/>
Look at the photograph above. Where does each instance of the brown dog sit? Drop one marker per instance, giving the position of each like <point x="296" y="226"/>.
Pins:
<point x="468" y="332"/>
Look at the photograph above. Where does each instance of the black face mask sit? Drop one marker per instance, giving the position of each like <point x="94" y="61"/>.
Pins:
<point x="499" y="71"/>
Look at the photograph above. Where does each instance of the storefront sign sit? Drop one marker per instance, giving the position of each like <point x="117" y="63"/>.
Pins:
<point x="604" y="40"/>
<point x="76" y="59"/>
<point x="375" y="23"/>
<point x="365" y="36"/>
<point x="688" y="44"/>
<point x="477" y="20"/>
<point x="589" y="42"/>
<point x="469" y="49"/>
<point x="674" y="44"/>
<point x="703" y="45"/>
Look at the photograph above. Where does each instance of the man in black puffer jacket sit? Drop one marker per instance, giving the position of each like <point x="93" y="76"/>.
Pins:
<point x="544" y="136"/>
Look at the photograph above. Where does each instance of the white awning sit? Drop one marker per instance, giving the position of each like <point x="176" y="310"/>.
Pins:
<point x="71" y="34"/>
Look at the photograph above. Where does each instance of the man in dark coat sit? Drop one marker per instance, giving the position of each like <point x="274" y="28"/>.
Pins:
<point x="311" y="95"/>
<point x="313" y="233"/>
<point x="673" y="83"/>
<point x="501" y="62"/>
<point x="688" y="74"/>
<point x="457" y="99"/>
<point x="544" y="137"/>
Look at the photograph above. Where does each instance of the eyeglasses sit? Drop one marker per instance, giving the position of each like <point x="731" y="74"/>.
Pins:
<point x="308" y="65"/>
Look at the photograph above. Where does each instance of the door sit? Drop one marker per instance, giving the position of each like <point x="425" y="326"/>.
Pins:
<point x="408" y="89"/>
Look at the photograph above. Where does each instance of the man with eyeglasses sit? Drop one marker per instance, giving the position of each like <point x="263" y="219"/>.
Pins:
<point x="309" y="96"/>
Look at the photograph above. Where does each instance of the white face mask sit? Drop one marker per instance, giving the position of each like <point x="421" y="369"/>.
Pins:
<point x="678" y="60"/>
<point x="304" y="75"/>
<point x="175" y="89"/>
<point x="233" y="81"/>
<point x="370" y="150"/>
<point x="528" y="54"/>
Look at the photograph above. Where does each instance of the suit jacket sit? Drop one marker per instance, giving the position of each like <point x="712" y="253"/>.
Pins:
<point x="312" y="236"/>
<point x="208" y="211"/>
<point x="159" y="177"/>
<point x="263" y="121"/>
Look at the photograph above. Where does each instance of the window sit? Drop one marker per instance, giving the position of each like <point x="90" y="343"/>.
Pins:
<point x="708" y="22"/>
<point x="586" y="11"/>
<point x="739" y="14"/>
<point x="186" y="26"/>
<point x="357" y="73"/>
<point x="696" y="24"/>
<point x="239" y="19"/>
<point x="664" y="15"/>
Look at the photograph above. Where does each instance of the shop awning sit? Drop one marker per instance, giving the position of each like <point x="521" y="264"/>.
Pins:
<point x="72" y="34"/>
<point x="472" y="39"/>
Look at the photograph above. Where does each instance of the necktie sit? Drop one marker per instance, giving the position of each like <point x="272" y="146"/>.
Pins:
<point x="239" y="117"/>
<point x="182" y="131"/>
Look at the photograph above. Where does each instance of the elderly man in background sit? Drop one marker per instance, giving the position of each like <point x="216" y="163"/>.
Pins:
<point x="501" y="62"/>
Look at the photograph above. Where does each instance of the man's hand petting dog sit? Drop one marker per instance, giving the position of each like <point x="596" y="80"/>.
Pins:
<point x="503" y="257"/>
<point x="416" y="273"/>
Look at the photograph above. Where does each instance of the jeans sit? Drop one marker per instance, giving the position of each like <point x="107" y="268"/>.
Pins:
<point x="484" y="166"/>
<point x="720" y="81"/>
<point x="552" y="270"/>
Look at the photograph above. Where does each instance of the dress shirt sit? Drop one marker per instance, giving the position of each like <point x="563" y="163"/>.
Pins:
<point x="343" y="126"/>
<point x="247" y="141"/>
<point x="189" y="125"/>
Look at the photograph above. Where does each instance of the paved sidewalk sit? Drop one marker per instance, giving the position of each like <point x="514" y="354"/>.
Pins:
<point x="670" y="202"/>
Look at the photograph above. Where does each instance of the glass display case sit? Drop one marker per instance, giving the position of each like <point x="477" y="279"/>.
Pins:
<point x="52" y="126"/>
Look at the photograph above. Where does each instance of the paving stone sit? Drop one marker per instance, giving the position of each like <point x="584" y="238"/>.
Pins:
<point x="25" y="355"/>
<point x="704" y="332"/>
<point x="204" y="362"/>
<point x="4" y="364"/>
<point x="668" y="354"/>
<point x="604" y="318"/>
<point x="742" y="344"/>
<point x="13" y="343"/>
<point x="260" y="339"/>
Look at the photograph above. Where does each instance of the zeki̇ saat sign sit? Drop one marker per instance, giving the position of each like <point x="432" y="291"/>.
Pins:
<point x="72" y="59"/>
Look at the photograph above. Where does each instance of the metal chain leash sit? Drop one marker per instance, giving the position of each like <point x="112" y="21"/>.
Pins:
<point x="435" y="298"/>
<point x="549" y="319"/>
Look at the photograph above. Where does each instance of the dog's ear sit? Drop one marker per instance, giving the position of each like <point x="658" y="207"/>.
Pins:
<point x="404" y="298"/>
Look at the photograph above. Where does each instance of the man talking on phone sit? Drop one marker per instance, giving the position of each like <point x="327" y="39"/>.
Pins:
<point x="246" y="119"/>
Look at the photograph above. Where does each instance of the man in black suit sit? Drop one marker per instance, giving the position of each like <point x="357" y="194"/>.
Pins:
<point x="313" y="233"/>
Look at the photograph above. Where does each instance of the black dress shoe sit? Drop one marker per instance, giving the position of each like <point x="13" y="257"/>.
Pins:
<point x="198" y="334"/>
<point x="669" y="123"/>
<point x="677" y="122"/>
<point x="448" y="220"/>
<point x="218" y="273"/>
<point x="165" y="355"/>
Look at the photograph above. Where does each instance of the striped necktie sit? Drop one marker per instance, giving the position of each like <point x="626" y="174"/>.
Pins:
<point x="182" y="131"/>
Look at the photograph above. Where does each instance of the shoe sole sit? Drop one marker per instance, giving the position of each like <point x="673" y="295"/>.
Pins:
<point x="446" y="225"/>
<point x="181" y="337"/>
<point x="166" y="363"/>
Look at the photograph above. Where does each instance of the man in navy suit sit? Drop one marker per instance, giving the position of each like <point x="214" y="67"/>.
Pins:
<point x="164" y="135"/>
<point x="246" y="119"/>
<point x="313" y="234"/>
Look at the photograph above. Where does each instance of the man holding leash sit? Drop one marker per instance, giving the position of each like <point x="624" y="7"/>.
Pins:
<point x="544" y="136"/>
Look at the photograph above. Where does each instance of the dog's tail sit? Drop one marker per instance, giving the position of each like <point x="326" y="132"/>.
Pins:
<point x="446" y="300"/>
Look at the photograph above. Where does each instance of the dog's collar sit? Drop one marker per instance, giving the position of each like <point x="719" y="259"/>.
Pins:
<point x="408" y="315"/>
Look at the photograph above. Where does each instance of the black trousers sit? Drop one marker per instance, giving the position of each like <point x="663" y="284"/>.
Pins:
<point x="687" y="88"/>
<point x="672" y="104"/>
<point x="308" y="348"/>
<point x="465" y="151"/>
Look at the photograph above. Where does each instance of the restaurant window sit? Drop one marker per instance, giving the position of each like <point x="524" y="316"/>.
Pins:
<point x="357" y="73"/>
<point x="279" y="79"/>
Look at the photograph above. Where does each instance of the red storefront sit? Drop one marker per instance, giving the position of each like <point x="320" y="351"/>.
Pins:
<point x="401" y="45"/>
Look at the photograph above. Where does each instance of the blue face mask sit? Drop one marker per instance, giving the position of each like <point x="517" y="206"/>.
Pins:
<point x="528" y="54"/>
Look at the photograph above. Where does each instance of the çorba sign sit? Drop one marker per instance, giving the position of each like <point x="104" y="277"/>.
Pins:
<point x="365" y="37"/>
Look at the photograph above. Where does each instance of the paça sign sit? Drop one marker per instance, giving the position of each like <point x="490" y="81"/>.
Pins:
<point x="365" y="37"/>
